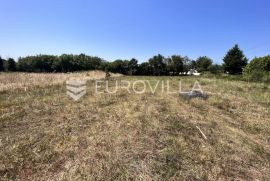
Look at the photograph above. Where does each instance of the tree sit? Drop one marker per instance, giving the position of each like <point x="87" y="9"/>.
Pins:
<point x="203" y="63"/>
<point x="215" y="69"/>
<point x="1" y="64"/>
<point x="188" y="64"/>
<point x="175" y="64"/>
<point x="261" y="64"/>
<point x="11" y="64"/>
<point x="192" y="64"/>
<point x="145" y="69"/>
<point x="235" y="61"/>
<point x="258" y="69"/>
<point x="157" y="63"/>
<point x="119" y="66"/>
<point x="63" y="63"/>
<point x="132" y="66"/>
<point x="66" y="63"/>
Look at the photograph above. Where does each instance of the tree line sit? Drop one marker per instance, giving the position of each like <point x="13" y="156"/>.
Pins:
<point x="234" y="62"/>
<point x="157" y="65"/>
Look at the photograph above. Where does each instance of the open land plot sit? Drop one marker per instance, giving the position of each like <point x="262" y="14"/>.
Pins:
<point x="45" y="135"/>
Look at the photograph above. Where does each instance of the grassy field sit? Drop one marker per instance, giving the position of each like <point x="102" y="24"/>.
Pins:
<point x="18" y="81"/>
<point x="45" y="135"/>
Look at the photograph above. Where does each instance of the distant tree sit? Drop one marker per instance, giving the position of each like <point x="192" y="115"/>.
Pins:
<point x="157" y="63"/>
<point x="39" y="63"/>
<point x="43" y="63"/>
<point x="175" y="64"/>
<point x="104" y="65"/>
<point x="215" y="69"/>
<point x="193" y="64"/>
<point x="56" y="65"/>
<point x="67" y="63"/>
<point x="11" y="65"/>
<point x="116" y="66"/>
<point x="188" y="64"/>
<point x="261" y="64"/>
<point x="95" y="62"/>
<point x="235" y="61"/>
<point x="119" y="66"/>
<point x="258" y="69"/>
<point x="84" y="62"/>
<point x="1" y="64"/>
<point x="132" y="66"/>
<point x="203" y="64"/>
<point x="63" y="63"/>
<point x="145" y="69"/>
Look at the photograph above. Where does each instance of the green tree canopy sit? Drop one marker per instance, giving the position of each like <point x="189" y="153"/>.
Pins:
<point x="258" y="69"/>
<point x="215" y="69"/>
<point x="235" y="61"/>
<point x="63" y="63"/>
<point x="11" y="64"/>
<point x="145" y="69"/>
<point x="157" y="63"/>
<point x="175" y="64"/>
<point x="203" y="63"/>
<point x="132" y="66"/>
<point x="1" y="64"/>
<point x="261" y="64"/>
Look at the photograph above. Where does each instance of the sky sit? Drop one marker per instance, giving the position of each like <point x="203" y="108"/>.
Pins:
<point x="125" y="29"/>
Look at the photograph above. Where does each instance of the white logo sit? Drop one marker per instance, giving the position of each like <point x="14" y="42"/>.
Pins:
<point x="76" y="88"/>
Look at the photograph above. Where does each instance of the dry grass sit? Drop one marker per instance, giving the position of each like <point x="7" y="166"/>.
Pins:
<point x="12" y="81"/>
<point x="45" y="135"/>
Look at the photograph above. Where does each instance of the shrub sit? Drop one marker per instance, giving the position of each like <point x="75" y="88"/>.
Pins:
<point x="258" y="69"/>
<point x="216" y="69"/>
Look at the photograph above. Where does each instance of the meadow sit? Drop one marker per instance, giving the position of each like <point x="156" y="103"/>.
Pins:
<point x="46" y="135"/>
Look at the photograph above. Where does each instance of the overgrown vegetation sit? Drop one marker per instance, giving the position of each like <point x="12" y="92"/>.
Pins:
<point x="258" y="69"/>
<point x="234" y="64"/>
<point x="45" y="135"/>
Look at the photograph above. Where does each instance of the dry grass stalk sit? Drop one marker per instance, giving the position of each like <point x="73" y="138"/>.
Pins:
<point x="12" y="81"/>
<point x="47" y="136"/>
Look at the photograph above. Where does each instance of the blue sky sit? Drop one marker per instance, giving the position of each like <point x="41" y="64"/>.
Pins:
<point x="125" y="29"/>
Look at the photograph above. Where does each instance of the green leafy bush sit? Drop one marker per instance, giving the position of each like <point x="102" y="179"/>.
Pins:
<point x="258" y="69"/>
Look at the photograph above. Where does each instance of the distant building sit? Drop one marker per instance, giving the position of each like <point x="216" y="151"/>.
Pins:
<point x="193" y="72"/>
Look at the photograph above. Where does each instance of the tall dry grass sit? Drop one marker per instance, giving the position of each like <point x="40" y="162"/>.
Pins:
<point x="12" y="81"/>
<point x="45" y="135"/>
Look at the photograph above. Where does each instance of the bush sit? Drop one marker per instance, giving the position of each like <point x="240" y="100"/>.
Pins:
<point x="216" y="69"/>
<point x="258" y="69"/>
<point x="257" y="76"/>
